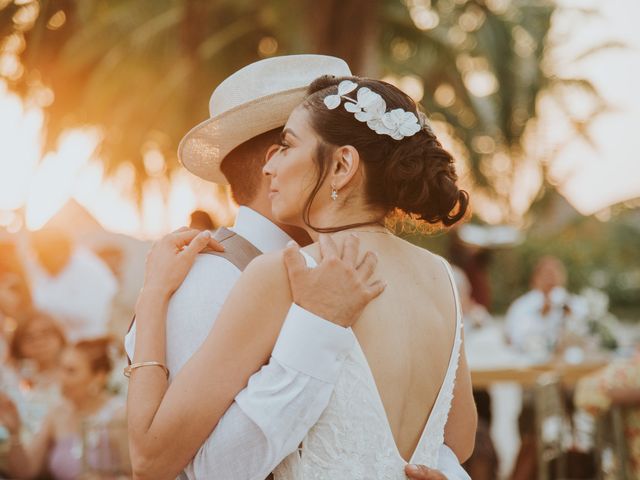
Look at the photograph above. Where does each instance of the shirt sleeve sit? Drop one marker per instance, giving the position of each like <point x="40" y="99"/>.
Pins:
<point x="449" y="465"/>
<point x="282" y="401"/>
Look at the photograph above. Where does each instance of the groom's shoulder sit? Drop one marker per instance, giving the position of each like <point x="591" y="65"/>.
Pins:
<point x="210" y="271"/>
<point x="204" y="289"/>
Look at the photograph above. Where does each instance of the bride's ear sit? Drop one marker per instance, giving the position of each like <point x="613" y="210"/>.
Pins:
<point x="345" y="166"/>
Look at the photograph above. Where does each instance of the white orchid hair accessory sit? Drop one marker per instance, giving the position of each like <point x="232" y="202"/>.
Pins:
<point x="370" y="107"/>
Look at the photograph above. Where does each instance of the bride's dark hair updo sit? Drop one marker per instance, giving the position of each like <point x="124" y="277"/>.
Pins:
<point x="415" y="174"/>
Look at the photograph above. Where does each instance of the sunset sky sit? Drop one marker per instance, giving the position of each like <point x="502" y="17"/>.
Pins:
<point x="595" y="179"/>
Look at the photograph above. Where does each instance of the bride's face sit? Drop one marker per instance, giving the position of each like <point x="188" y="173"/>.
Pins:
<point x="293" y="172"/>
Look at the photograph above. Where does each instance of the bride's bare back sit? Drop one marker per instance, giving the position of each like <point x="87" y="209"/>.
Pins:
<point x="407" y="333"/>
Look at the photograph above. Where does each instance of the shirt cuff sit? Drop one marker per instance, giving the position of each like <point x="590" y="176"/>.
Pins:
<point x="312" y="345"/>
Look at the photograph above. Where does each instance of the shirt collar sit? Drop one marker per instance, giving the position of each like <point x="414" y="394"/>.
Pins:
<point x="260" y="231"/>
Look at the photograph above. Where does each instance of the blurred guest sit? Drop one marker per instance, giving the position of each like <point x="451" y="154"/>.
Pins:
<point x="38" y="342"/>
<point x="30" y="375"/>
<point x="536" y="320"/>
<point x="201" y="220"/>
<point x="72" y="284"/>
<point x="56" y="448"/>
<point x="618" y="384"/>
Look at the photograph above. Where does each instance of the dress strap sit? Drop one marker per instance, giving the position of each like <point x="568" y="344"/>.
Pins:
<point x="456" y="295"/>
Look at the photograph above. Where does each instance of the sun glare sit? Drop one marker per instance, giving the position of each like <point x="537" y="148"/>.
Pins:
<point x="53" y="181"/>
<point x="34" y="187"/>
<point x="21" y="143"/>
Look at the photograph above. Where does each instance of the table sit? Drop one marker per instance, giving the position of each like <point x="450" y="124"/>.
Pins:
<point x="526" y="376"/>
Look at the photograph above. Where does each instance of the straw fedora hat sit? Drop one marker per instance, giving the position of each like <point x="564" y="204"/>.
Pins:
<point x="254" y="100"/>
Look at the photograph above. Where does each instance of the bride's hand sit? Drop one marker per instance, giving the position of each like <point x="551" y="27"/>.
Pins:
<point x="339" y="288"/>
<point x="171" y="258"/>
<point x="420" y="472"/>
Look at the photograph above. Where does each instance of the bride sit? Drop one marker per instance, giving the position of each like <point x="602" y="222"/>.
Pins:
<point x="355" y="152"/>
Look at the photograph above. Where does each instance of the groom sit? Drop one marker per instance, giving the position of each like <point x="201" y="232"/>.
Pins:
<point x="270" y="418"/>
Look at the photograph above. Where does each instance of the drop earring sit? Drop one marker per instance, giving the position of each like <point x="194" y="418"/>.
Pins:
<point x="334" y="193"/>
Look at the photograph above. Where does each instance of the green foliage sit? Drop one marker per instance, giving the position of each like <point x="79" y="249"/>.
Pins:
<point x="144" y="70"/>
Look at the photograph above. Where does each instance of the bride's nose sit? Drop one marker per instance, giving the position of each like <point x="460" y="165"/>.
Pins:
<point x="269" y="167"/>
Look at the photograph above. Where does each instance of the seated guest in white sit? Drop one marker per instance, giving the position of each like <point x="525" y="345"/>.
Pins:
<point x="72" y="284"/>
<point x="535" y="320"/>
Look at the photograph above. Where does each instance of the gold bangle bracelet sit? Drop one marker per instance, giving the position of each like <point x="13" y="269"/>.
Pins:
<point x="129" y="368"/>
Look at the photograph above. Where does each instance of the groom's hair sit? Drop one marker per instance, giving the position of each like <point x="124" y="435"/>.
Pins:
<point x="243" y="165"/>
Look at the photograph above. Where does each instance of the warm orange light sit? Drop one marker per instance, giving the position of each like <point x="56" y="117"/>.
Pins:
<point x="34" y="188"/>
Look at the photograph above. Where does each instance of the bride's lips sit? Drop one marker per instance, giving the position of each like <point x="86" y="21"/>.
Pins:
<point x="272" y="193"/>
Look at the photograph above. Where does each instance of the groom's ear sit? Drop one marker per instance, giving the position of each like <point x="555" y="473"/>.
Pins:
<point x="345" y="165"/>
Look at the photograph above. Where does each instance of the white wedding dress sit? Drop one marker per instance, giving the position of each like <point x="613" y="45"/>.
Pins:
<point x="353" y="440"/>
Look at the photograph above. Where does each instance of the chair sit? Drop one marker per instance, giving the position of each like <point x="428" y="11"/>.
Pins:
<point x="105" y="450"/>
<point x="553" y="427"/>
<point x="611" y="446"/>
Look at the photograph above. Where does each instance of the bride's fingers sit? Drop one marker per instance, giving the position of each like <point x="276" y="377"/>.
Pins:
<point x="181" y="229"/>
<point x="328" y="248"/>
<point x="215" y="245"/>
<point x="294" y="262"/>
<point x="350" y="250"/>
<point x="183" y="238"/>
<point x="196" y="245"/>
<point x="367" y="266"/>
<point x="420" y="472"/>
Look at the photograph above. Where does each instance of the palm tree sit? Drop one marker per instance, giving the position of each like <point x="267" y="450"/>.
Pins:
<point x="144" y="70"/>
<point x="484" y="69"/>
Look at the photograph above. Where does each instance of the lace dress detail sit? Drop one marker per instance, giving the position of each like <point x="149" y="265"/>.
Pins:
<point x="352" y="440"/>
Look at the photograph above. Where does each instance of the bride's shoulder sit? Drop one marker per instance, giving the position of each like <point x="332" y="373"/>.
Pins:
<point x="266" y="269"/>
<point x="429" y="260"/>
<point x="266" y="264"/>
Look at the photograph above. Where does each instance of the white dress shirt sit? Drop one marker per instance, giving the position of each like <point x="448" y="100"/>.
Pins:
<point x="283" y="400"/>
<point x="530" y="330"/>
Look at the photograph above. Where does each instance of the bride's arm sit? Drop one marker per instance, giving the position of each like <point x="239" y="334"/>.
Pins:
<point x="167" y="425"/>
<point x="460" y="431"/>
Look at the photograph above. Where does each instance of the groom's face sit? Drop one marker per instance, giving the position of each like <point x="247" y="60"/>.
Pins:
<point x="243" y="168"/>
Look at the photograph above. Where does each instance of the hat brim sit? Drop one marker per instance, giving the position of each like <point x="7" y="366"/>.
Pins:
<point x="202" y="150"/>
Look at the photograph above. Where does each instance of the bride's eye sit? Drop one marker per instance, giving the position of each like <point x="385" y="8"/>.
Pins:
<point x="283" y="145"/>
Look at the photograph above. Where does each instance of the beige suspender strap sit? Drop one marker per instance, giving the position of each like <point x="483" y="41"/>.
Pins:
<point x="237" y="249"/>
